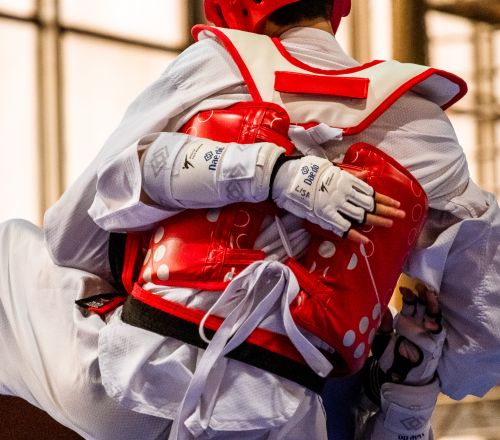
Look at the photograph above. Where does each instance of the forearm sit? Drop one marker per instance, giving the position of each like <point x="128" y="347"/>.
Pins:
<point x="111" y="195"/>
<point x="104" y="199"/>
<point x="183" y="171"/>
<point x="400" y="385"/>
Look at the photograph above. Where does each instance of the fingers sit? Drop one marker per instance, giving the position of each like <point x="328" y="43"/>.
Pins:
<point x="423" y="306"/>
<point x="429" y="298"/>
<point x="386" y="208"/>
<point x="376" y="220"/>
<point x="371" y="219"/>
<point x="410" y="302"/>
<point x="357" y="237"/>
<point x="432" y="315"/>
<point x="379" y="219"/>
<point x="386" y="200"/>
<point x="388" y="211"/>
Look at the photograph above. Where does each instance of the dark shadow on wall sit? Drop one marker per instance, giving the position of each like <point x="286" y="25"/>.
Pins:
<point x="21" y="421"/>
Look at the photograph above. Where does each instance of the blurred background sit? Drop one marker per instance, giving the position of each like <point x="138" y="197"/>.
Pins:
<point x="69" y="68"/>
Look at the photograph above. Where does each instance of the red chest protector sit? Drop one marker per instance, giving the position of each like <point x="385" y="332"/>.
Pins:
<point x="344" y="289"/>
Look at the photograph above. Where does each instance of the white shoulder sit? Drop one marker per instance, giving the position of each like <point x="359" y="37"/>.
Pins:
<point x="204" y="61"/>
<point x="419" y="135"/>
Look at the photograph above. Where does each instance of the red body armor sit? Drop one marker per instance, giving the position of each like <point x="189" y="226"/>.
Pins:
<point x="345" y="289"/>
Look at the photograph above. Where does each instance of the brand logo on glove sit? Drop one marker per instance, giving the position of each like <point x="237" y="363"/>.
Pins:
<point x="187" y="164"/>
<point x="215" y="159"/>
<point x="414" y="423"/>
<point x="309" y="180"/>
<point x="411" y="437"/>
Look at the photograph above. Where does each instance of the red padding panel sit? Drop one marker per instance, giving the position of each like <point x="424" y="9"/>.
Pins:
<point x="302" y="83"/>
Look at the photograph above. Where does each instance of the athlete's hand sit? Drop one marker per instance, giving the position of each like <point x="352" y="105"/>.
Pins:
<point x="386" y="209"/>
<point x="406" y="350"/>
<point x="413" y="352"/>
<point x="322" y="193"/>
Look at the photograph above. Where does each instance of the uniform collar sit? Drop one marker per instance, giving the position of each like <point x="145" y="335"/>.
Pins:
<point x="317" y="41"/>
<point x="311" y="38"/>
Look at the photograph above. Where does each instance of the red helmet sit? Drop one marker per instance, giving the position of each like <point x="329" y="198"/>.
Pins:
<point x="250" y="15"/>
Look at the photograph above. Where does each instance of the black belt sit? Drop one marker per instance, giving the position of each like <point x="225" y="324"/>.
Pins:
<point x="144" y="316"/>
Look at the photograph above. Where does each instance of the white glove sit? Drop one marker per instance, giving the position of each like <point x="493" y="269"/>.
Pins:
<point x="412" y="336"/>
<point x="316" y="190"/>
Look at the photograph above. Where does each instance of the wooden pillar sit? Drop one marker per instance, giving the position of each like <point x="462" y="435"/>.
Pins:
<point x="409" y="35"/>
<point x="195" y="13"/>
<point x="409" y="45"/>
<point x="360" y="32"/>
<point x="49" y="79"/>
<point x="484" y="101"/>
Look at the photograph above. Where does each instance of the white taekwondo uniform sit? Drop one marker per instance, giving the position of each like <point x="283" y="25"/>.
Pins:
<point x="414" y="131"/>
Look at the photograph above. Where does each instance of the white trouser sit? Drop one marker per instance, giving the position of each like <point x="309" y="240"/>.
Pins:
<point x="48" y="350"/>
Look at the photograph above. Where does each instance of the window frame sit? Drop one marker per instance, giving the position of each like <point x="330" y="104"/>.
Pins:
<point x="50" y="31"/>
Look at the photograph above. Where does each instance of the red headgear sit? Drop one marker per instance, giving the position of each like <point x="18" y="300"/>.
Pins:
<point x="250" y="15"/>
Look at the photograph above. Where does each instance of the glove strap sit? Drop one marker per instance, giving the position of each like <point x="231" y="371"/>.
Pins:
<point x="278" y="164"/>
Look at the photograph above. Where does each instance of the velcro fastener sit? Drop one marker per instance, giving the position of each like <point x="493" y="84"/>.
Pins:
<point x="239" y="162"/>
<point x="303" y="83"/>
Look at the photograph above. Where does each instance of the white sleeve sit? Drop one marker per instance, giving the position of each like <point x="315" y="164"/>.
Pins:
<point x="462" y="262"/>
<point x="72" y="235"/>
<point x="117" y="205"/>
<point x="458" y="253"/>
<point x="405" y="413"/>
<point x="418" y="134"/>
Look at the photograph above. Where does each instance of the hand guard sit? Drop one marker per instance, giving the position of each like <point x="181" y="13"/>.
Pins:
<point x="411" y="332"/>
<point x="320" y="192"/>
